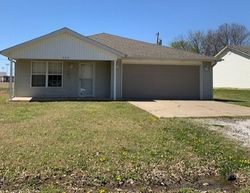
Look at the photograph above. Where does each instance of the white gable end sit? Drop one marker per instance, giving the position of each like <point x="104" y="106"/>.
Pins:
<point x="232" y="72"/>
<point x="62" y="46"/>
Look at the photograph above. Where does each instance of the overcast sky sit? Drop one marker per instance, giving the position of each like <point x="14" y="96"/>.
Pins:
<point x="23" y="20"/>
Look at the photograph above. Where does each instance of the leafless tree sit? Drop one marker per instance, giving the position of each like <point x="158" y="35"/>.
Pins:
<point x="239" y="35"/>
<point x="182" y="44"/>
<point x="197" y="40"/>
<point x="212" y="41"/>
<point x="224" y="34"/>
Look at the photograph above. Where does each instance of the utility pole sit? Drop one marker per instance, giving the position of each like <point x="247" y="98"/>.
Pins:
<point x="158" y="40"/>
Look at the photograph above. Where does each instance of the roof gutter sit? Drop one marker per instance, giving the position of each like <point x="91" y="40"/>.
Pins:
<point x="165" y="61"/>
<point x="173" y="59"/>
<point x="214" y="63"/>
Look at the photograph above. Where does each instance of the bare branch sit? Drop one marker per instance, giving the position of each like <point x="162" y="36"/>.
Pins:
<point x="213" y="41"/>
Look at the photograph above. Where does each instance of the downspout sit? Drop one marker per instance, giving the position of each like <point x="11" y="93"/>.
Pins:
<point x="11" y="88"/>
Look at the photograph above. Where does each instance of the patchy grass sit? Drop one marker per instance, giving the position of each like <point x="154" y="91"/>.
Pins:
<point x="3" y="88"/>
<point x="234" y="96"/>
<point x="4" y="84"/>
<point x="102" y="146"/>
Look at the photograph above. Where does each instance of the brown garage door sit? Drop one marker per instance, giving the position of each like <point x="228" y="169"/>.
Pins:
<point x="160" y="82"/>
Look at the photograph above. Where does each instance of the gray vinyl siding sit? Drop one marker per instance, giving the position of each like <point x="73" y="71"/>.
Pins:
<point x="206" y="81"/>
<point x="70" y="86"/>
<point x="102" y="79"/>
<point x="63" y="45"/>
<point x="161" y="81"/>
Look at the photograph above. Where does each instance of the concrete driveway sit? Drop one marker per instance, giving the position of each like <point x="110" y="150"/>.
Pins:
<point x="178" y="108"/>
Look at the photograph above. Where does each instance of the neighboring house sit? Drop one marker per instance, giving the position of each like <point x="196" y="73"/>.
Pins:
<point x="67" y="64"/>
<point x="2" y="76"/>
<point x="234" y="69"/>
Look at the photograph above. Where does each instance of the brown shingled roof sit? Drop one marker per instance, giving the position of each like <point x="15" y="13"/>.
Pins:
<point x="139" y="49"/>
<point x="244" y="50"/>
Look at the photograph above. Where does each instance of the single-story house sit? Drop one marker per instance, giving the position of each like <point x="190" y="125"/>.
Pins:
<point x="66" y="64"/>
<point x="2" y="76"/>
<point x="233" y="71"/>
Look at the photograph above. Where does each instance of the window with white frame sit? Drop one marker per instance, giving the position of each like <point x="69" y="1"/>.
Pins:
<point x="47" y="74"/>
<point x="54" y="74"/>
<point x="38" y="77"/>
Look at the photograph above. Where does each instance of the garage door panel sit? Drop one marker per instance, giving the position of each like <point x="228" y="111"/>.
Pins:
<point x="160" y="82"/>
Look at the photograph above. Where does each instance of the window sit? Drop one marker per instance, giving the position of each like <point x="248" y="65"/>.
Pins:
<point x="46" y="74"/>
<point x="55" y="74"/>
<point x="38" y="74"/>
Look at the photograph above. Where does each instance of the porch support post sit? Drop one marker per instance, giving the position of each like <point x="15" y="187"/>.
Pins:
<point x="114" y="84"/>
<point x="11" y="81"/>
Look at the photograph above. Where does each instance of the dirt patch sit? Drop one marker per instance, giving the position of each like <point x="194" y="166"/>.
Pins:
<point x="4" y="85"/>
<point x="238" y="129"/>
<point x="178" y="176"/>
<point x="157" y="181"/>
<point x="3" y="88"/>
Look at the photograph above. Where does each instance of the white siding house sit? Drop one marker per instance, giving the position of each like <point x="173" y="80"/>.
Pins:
<point x="67" y="65"/>
<point x="234" y="69"/>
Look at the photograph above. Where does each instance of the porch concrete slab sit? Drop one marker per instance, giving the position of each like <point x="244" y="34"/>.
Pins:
<point x="21" y="99"/>
<point x="181" y="108"/>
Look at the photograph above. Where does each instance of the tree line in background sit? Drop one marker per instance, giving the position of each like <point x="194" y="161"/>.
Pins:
<point x="212" y="41"/>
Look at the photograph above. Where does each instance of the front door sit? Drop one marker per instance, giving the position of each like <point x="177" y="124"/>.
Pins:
<point x="86" y="80"/>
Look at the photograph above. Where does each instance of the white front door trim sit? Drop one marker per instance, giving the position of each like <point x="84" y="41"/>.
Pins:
<point x="93" y="79"/>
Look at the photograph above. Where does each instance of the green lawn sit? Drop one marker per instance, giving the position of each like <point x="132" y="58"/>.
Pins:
<point x="102" y="146"/>
<point x="235" y="96"/>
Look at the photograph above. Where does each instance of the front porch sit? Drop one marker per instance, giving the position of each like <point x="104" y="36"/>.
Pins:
<point x="73" y="80"/>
